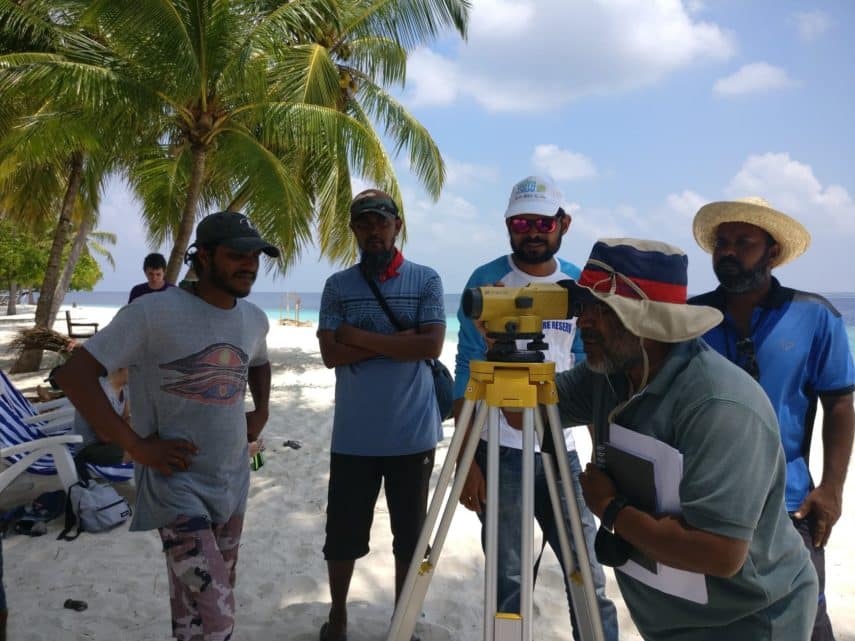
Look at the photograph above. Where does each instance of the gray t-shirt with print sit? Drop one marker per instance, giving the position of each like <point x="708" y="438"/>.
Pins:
<point x="189" y="362"/>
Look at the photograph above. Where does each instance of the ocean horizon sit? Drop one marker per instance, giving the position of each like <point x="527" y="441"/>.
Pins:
<point x="304" y="306"/>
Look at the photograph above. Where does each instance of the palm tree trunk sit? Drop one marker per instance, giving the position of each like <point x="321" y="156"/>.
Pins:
<point x="30" y="359"/>
<point x="188" y="216"/>
<point x="11" y="308"/>
<point x="71" y="262"/>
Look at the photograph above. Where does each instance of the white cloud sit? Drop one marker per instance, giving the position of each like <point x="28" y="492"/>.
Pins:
<point x="685" y="204"/>
<point x="536" y="55"/>
<point x="431" y="79"/>
<point x="811" y="24"/>
<point x="695" y="6"/>
<point x="792" y="187"/>
<point x="562" y="164"/>
<point x="757" y="77"/>
<point x="459" y="173"/>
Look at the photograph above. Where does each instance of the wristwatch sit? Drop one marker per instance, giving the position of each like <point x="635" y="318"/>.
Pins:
<point x="610" y="513"/>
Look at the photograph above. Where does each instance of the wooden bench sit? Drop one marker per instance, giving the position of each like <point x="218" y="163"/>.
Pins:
<point x="73" y="333"/>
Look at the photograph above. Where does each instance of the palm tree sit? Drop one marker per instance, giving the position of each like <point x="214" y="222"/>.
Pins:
<point x="54" y="155"/>
<point x="208" y="81"/>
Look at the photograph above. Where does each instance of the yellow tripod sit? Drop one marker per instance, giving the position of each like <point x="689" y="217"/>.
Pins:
<point x="527" y="386"/>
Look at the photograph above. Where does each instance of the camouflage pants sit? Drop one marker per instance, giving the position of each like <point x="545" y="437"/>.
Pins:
<point x="201" y="558"/>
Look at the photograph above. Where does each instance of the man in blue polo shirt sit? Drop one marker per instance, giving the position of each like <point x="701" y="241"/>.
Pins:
<point x="794" y="343"/>
<point x="386" y="423"/>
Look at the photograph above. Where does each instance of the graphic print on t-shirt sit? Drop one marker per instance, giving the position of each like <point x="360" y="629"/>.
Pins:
<point x="215" y="375"/>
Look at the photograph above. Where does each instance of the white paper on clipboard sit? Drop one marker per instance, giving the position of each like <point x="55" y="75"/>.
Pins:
<point x="668" y="472"/>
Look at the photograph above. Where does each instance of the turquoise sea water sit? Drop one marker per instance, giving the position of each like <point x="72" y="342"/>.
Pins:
<point x="278" y="305"/>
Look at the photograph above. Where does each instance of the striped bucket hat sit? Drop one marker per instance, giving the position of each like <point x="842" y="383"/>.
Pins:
<point x="644" y="283"/>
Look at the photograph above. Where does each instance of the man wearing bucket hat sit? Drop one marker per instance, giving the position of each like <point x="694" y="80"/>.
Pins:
<point x="728" y="564"/>
<point x="191" y="355"/>
<point x="386" y="423"/>
<point x="795" y="344"/>
<point x="536" y="222"/>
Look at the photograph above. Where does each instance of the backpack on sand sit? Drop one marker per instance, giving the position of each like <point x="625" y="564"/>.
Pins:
<point x="93" y="507"/>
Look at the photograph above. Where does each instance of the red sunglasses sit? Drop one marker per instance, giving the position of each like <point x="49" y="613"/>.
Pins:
<point x="544" y="225"/>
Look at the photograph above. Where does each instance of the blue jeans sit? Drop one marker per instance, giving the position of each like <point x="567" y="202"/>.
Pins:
<point x="510" y="533"/>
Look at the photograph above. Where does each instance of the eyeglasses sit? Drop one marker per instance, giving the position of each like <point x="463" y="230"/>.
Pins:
<point x="747" y="357"/>
<point x="544" y="225"/>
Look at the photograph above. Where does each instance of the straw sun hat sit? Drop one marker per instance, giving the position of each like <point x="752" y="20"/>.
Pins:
<point x="789" y="233"/>
<point x="644" y="283"/>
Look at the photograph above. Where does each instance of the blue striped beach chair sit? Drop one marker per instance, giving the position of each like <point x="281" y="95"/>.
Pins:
<point x="21" y="424"/>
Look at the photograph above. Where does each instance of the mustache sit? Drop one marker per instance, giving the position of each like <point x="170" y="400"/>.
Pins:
<point x="729" y="261"/>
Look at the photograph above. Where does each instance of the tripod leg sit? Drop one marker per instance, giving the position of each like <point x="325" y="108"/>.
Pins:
<point x="580" y="579"/>
<point x="421" y="569"/>
<point x="510" y="626"/>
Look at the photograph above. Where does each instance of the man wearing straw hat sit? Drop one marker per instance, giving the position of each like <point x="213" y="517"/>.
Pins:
<point x="795" y="344"/>
<point x="726" y="563"/>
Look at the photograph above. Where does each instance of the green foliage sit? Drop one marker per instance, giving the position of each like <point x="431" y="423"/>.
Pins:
<point x="86" y="274"/>
<point x="280" y="102"/>
<point x="24" y="258"/>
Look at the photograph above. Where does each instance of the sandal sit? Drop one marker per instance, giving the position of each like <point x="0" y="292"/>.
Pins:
<point x="324" y="635"/>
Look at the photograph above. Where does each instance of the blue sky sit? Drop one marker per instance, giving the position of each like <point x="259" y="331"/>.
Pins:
<point x="641" y="110"/>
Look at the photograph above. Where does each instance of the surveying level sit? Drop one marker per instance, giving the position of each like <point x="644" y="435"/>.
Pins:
<point x="529" y="386"/>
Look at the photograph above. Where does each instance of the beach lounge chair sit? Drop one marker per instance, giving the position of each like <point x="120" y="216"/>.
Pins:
<point x="51" y="416"/>
<point x="26" y="450"/>
<point x="73" y="332"/>
<point x="21" y="423"/>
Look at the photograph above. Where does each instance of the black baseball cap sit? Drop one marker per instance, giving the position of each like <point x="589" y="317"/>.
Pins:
<point x="373" y="201"/>
<point x="233" y="230"/>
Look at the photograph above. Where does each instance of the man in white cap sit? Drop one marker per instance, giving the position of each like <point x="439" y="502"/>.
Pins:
<point x="536" y="222"/>
<point x="795" y="344"/>
<point x="725" y="562"/>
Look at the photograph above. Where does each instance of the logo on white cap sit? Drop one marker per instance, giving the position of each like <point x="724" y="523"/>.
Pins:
<point x="534" y="195"/>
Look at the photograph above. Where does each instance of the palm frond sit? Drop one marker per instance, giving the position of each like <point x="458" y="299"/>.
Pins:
<point x="408" y="134"/>
<point x="305" y="73"/>
<point x="381" y="59"/>
<point x="410" y="22"/>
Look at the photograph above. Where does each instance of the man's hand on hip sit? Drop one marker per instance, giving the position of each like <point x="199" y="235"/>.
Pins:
<point x="164" y="455"/>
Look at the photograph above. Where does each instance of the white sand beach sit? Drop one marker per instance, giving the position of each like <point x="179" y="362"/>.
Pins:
<point x="282" y="588"/>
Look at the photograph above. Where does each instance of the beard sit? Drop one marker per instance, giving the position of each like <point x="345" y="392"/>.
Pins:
<point x="735" y="279"/>
<point x="221" y="280"/>
<point x="621" y="354"/>
<point x="528" y="252"/>
<point x="374" y="263"/>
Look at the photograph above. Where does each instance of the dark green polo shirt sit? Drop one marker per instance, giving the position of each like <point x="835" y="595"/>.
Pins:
<point x="733" y="484"/>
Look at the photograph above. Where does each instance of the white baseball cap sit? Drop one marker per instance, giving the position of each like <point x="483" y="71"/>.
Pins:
<point x="534" y="195"/>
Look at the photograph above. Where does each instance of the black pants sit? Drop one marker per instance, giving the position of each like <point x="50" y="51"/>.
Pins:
<point x="822" y="625"/>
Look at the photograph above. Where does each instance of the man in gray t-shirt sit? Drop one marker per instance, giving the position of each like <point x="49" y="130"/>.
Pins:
<point x="191" y="356"/>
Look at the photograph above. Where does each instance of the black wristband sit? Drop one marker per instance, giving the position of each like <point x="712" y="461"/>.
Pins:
<point x="610" y="513"/>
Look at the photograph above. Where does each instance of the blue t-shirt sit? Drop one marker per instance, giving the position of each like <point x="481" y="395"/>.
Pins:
<point x="803" y="353"/>
<point x="565" y="345"/>
<point x="384" y="407"/>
